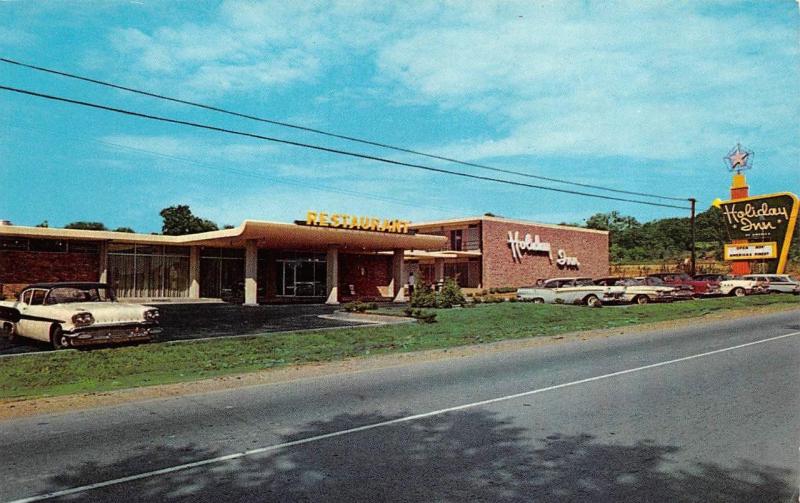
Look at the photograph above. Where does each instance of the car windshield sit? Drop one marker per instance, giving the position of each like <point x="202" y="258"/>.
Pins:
<point x="65" y="295"/>
<point x="654" y="280"/>
<point x="584" y="282"/>
<point x="632" y="282"/>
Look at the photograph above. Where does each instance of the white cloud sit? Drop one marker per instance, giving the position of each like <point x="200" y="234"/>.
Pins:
<point x="657" y="80"/>
<point x="192" y="148"/>
<point x="585" y="81"/>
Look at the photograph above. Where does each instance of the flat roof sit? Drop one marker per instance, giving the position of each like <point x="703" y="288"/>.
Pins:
<point x="474" y="220"/>
<point x="272" y="235"/>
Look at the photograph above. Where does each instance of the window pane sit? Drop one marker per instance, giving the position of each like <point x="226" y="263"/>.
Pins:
<point x="83" y="246"/>
<point x="13" y="244"/>
<point x="48" y="245"/>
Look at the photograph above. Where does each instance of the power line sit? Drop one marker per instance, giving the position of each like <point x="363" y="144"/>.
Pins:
<point x="326" y="149"/>
<point x="329" y="134"/>
<point x="250" y="174"/>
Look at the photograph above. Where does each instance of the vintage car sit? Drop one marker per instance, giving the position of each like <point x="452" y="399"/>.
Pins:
<point x="679" y="292"/>
<point x="778" y="283"/>
<point x="76" y="314"/>
<point x="571" y="291"/>
<point x="680" y="279"/>
<point x="637" y="291"/>
<point x="736" y="286"/>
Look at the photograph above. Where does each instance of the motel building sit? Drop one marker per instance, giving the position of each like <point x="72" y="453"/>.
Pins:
<point x="327" y="258"/>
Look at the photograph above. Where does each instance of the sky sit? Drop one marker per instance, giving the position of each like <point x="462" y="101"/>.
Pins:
<point x="637" y="96"/>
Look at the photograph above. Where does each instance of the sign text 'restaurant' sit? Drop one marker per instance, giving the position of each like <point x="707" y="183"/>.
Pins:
<point x="345" y="221"/>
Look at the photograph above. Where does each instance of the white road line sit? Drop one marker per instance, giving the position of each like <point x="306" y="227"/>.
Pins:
<point x="260" y="450"/>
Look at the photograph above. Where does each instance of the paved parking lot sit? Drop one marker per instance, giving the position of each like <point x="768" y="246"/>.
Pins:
<point x="194" y="321"/>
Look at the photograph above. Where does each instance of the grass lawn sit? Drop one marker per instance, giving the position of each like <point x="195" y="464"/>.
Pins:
<point x="68" y="372"/>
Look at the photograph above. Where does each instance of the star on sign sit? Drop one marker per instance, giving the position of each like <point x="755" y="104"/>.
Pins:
<point x="738" y="158"/>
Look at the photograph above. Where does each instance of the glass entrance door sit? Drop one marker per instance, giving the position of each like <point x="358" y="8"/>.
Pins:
<point x="304" y="277"/>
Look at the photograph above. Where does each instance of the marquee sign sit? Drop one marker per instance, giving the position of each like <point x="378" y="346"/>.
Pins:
<point x="346" y="221"/>
<point x="760" y="221"/>
<point x="751" y="251"/>
<point x="534" y="244"/>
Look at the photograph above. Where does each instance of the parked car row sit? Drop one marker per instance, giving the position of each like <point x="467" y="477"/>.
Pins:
<point x="76" y="314"/>
<point x="661" y="287"/>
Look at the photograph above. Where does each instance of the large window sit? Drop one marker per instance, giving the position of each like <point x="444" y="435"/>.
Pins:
<point x="222" y="273"/>
<point x="149" y="271"/>
<point x="302" y="276"/>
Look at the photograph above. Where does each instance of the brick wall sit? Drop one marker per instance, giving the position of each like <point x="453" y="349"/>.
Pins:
<point x="370" y="276"/>
<point x="21" y="268"/>
<point x="500" y="269"/>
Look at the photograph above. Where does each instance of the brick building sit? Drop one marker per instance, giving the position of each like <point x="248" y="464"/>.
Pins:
<point x="319" y="260"/>
<point x="491" y="252"/>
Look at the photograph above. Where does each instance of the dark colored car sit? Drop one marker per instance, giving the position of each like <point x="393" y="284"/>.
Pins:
<point x="681" y="279"/>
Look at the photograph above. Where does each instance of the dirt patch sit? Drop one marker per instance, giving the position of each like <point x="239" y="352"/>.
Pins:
<point x="10" y="409"/>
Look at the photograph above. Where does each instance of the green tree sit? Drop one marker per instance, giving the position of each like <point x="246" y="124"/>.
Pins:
<point x="179" y="220"/>
<point x="124" y="229"/>
<point x="87" y="226"/>
<point x="43" y="224"/>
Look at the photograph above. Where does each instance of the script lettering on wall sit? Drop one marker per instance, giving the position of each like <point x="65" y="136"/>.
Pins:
<point x="565" y="262"/>
<point x="527" y="244"/>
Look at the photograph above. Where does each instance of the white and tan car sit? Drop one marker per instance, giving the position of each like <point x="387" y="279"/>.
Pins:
<point x="76" y="314"/>
<point x="638" y="291"/>
<point x="571" y="291"/>
<point x="736" y="286"/>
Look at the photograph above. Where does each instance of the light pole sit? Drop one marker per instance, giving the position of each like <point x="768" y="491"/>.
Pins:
<point x="691" y="220"/>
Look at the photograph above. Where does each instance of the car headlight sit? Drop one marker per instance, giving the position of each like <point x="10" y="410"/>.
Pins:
<point x="151" y="315"/>
<point x="82" y="319"/>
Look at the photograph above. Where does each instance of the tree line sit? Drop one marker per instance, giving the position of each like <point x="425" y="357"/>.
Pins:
<point x="177" y="221"/>
<point x="668" y="238"/>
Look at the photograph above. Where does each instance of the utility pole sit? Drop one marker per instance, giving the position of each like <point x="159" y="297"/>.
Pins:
<point x="694" y="258"/>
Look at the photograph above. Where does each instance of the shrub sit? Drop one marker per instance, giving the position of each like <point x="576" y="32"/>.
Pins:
<point x="491" y="299"/>
<point x="451" y="294"/>
<point x="425" y="316"/>
<point x="359" y="307"/>
<point x="422" y="296"/>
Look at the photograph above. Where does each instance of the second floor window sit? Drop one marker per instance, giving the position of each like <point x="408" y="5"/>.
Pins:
<point x="456" y="239"/>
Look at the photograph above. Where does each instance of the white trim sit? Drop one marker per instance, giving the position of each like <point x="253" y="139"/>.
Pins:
<point x="473" y="220"/>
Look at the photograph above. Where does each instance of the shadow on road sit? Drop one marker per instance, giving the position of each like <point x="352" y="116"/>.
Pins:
<point x="465" y="456"/>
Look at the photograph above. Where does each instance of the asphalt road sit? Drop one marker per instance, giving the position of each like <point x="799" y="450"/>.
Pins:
<point x="703" y="414"/>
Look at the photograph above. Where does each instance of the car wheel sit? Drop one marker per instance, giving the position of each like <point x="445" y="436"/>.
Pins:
<point x="538" y="300"/>
<point x="57" y="338"/>
<point x="592" y="301"/>
<point x="642" y="299"/>
<point x="738" y="292"/>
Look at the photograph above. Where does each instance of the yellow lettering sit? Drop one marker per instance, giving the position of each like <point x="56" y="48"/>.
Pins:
<point x="335" y="220"/>
<point x="311" y="218"/>
<point x="323" y="219"/>
<point x="374" y="224"/>
<point x="389" y="226"/>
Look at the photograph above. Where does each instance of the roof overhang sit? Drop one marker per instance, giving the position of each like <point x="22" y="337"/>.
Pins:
<point x="272" y="235"/>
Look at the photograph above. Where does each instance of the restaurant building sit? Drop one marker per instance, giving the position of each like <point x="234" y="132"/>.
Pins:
<point x="492" y="252"/>
<point x="325" y="258"/>
<point x="316" y="260"/>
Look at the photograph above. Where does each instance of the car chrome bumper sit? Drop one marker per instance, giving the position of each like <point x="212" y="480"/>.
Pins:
<point x="112" y="335"/>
